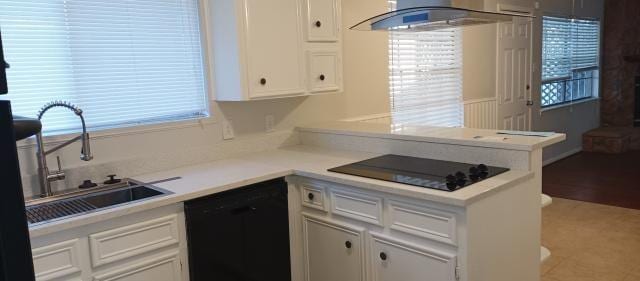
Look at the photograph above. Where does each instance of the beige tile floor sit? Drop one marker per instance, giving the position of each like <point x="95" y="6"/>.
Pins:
<point x="590" y="242"/>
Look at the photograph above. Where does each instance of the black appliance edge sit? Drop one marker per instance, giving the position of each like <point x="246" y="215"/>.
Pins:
<point x="16" y="262"/>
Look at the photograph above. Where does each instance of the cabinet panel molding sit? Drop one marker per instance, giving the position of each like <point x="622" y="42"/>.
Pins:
<point x="132" y="240"/>
<point x="423" y="221"/>
<point x="357" y="206"/>
<point x="161" y="268"/>
<point x="57" y="260"/>
<point x="313" y="196"/>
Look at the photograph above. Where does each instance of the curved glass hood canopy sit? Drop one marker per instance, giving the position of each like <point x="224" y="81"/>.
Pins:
<point x="418" y="15"/>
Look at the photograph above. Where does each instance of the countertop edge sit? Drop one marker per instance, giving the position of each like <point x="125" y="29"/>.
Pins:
<point x="440" y="140"/>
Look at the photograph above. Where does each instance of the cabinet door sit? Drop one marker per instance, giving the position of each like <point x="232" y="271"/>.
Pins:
<point x="274" y="48"/>
<point x="323" y="20"/>
<point x="332" y="252"/>
<point x="162" y="268"/>
<point x="324" y="71"/>
<point x="395" y="260"/>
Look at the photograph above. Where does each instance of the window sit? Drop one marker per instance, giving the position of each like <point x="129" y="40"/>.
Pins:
<point x="570" y="60"/>
<point x="425" y="76"/>
<point x="124" y="62"/>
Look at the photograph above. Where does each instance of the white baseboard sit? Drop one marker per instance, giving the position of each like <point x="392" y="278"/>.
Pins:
<point x="561" y="156"/>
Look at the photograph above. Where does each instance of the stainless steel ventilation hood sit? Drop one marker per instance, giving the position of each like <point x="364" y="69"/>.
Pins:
<point x="424" y="15"/>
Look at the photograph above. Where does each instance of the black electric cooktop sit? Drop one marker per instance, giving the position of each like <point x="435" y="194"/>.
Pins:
<point x="422" y="172"/>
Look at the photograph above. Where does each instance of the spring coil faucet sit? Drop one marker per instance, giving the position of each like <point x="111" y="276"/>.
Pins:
<point x="45" y="177"/>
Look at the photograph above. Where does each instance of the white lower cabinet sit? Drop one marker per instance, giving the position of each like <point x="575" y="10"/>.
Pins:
<point x="332" y="251"/>
<point x="394" y="260"/>
<point x="139" y="247"/>
<point x="370" y="236"/>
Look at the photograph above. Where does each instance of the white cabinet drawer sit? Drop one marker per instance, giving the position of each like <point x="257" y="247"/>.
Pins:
<point x="323" y="20"/>
<point x="132" y="240"/>
<point x="357" y="206"/>
<point x="421" y="221"/>
<point x="324" y="71"/>
<point x="313" y="196"/>
<point x="161" y="268"/>
<point x="57" y="260"/>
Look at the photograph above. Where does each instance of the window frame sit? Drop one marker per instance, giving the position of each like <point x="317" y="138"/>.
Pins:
<point x="595" y="76"/>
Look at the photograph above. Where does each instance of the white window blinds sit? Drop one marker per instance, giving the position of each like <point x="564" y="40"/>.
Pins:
<point x="426" y="77"/>
<point x="569" y="45"/>
<point x="124" y="62"/>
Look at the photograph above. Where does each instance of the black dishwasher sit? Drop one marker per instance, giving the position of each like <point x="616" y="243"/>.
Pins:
<point x="240" y="235"/>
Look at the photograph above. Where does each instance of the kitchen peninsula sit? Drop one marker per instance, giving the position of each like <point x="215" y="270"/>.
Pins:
<point x="342" y="227"/>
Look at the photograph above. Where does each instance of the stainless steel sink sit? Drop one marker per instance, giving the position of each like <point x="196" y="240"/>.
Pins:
<point x="41" y="211"/>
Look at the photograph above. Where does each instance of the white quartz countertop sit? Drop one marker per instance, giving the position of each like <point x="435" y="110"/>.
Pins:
<point x="209" y="178"/>
<point x="457" y="136"/>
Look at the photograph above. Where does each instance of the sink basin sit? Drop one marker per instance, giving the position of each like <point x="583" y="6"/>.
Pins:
<point x="58" y="207"/>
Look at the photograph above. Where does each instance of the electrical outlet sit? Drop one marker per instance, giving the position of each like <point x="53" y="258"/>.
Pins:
<point x="227" y="130"/>
<point x="269" y="123"/>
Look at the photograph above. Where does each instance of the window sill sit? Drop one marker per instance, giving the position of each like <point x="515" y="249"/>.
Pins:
<point x="561" y="106"/>
<point x="121" y="132"/>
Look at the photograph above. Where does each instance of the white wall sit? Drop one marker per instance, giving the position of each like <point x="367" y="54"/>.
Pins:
<point x="479" y="61"/>
<point x="366" y="92"/>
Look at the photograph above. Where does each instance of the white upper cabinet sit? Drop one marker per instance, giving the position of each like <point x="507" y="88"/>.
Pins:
<point x="323" y="20"/>
<point x="259" y="49"/>
<point x="275" y="57"/>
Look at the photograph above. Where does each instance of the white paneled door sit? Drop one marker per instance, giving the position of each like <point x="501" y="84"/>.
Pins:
<point x="514" y="75"/>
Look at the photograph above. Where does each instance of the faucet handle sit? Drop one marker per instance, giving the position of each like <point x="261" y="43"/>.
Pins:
<point x="57" y="175"/>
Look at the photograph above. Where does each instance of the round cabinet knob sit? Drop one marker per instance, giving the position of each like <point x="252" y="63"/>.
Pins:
<point x="263" y="81"/>
<point x="322" y="77"/>
<point x="383" y="256"/>
<point x="311" y="196"/>
<point x="348" y="244"/>
<point x="318" y="23"/>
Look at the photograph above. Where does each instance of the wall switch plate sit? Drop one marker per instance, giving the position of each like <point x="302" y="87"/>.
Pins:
<point x="227" y="130"/>
<point x="269" y="123"/>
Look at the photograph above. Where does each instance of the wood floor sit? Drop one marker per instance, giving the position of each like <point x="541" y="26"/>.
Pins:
<point x="611" y="179"/>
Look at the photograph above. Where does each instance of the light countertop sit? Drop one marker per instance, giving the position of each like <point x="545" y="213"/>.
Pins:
<point x="456" y="136"/>
<point x="209" y="178"/>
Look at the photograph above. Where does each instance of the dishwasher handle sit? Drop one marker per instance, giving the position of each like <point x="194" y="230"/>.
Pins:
<point x="242" y="210"/>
